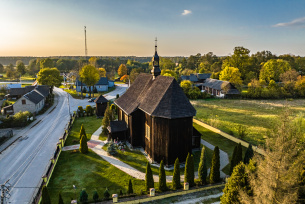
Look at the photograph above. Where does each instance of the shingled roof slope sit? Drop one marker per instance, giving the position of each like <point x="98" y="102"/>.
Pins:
<point x="101" y="99"/>
<point x="218" y="85"/>
<point x="161" y="97"/>
<point x="191" y="77"/>
<point x="43" y="89"/>
<point x="34" y="96"/>
<point x="204" y="76"/>
<point x="117" y="126"/>
<point x="17" y="91"/>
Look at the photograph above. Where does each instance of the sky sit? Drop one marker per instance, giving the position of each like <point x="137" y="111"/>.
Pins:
<point x="129" y="28"/>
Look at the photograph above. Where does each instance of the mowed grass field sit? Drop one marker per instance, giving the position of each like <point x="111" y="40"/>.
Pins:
<point x="258" y="116"/>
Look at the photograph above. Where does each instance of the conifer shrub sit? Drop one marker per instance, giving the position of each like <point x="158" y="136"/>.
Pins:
<point x="95" y="196"/>
<point x="106" y="194"/>
<point x="239" y="154"/>
<point x="83" y="197"/>
<point x="121" y="192"/>
<point x="202" y="169"/>
<point x="149" y="180"/>
<point x="176" y="175"/>
<point x="83" y="148"/>
<point x="45" y="197"/>
<point x="89" y="110"/>
<point x="82" y="132"/>
<point x="60" y="200"/>
<point x="80" y="111"/>
<point x="233" y="163"/>
<point x="162" y="178"/>
<point x="130" y="189"/>
<point x="215" y="167"/>
<point x="111" y="149"/>
<point x="249" y="154"/>
<point x="191" y="171"/>
<point x="186" y="169"/>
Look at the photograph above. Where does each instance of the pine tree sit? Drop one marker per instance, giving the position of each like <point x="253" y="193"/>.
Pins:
<point x="191" y="171"/>
<point x="82" y="131"/>
<point x="45" y="198"/>
<point x="176" y="175"/>
<point x="186" y="169"/>
<point x="202" y="169"/>
<point x="130" y="189"/>
<point x="162" y="178"/>
<point x="106" y="120"/>
<point x="239" y="154"/>
<point x="215" y="167"/>
<point x="95" y="196"/>
<point x="233" y="164"/>
<point x="149" y="180"/>
<point x="83" y="197"/>
<point x="238" y="180"/>
<point x="249" y="154"/>
<point x="83" y="148"/>
<point x="60" y="200"/>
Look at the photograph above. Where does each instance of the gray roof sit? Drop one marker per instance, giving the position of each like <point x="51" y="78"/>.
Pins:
<point x="101" y="81"/>
<point x="117" y="126"/>
<point x="43" y="89"/>
<point x="101" y="99"/>
<point x="34" y="96"/>
<point x="162" y="97"/>
<point x="204" y="76"/>
<point x="192" y="78"/>
<point x="219" y="85"/>
<point x="17" y="91"/>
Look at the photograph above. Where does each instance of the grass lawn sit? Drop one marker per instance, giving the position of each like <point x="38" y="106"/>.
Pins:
<point x="258" y="116"/>
<point x="137" y="160"/>
<point x="24" y="85"/>
<point x="91" y="124"/>
<point x="87" y="171"/>
<point x="217" y="140"/>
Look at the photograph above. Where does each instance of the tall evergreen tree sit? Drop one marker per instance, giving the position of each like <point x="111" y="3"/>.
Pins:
<point x="215" y="167"/>
<point x="238" y="180"/>
<point x="149" y="180"/>
<point x="191" y="171"/>
<point x="45" y="198"/>
<point x="95" y="196"/>
<point x="83" y="148"/>
<point x="249" y="154"/>
<point x="186" y="169"/>
<point x="82" y="131"/>
<point x="130" y="189"/>
<point x="202" y="169"/>
<point x="162" y="178"/>
<point x="233" y="159"/>
<point x="60" y="200"/>
<point x="106" y="119"/>
<point x="176" y="175"/>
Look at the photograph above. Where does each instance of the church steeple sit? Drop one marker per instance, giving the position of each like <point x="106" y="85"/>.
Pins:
<point x="156" y="69"/>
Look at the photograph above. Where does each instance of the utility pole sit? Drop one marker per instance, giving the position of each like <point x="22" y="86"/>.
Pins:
<point x="86" y="51"/>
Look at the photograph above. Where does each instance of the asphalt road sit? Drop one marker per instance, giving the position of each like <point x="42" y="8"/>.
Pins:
<point x="25" y="162"/>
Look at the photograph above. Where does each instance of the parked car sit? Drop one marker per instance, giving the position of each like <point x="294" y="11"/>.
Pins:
<point x="91" y="99"/>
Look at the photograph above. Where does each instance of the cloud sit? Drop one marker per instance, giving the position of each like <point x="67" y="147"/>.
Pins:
<point x="299" y="22"/>
<point x="186" y="12"/>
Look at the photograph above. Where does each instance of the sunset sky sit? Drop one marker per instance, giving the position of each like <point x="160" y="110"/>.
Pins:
<point x="120" y="27"/>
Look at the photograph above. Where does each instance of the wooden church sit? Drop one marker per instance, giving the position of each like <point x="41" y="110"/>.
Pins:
<point x="158" y="116"/>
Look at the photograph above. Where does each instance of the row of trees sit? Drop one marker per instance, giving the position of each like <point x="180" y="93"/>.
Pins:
<point x="276" y="177"/>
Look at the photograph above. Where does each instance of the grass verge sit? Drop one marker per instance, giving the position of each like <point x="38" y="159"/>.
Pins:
<point x="91" y="124"/>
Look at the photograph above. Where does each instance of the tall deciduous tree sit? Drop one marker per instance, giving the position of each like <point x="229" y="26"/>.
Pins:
<point x="215" y="167"/>
<point x="176" y="175"/>
<point x="46" y="63"/>
<point x="45" y="198"/>
<point x="122" y="70"/>
<point x="50" y="77"/>
<point x="102" y="72"/>
<point x="232" y="75"/>
<point x="89" y="75"/>
<point x="149" y="180"/>
<point x="162" y="178"/>
<point x="20" y="67"/>
<point x="272" y="69"/>
<point x="202" y="169"/>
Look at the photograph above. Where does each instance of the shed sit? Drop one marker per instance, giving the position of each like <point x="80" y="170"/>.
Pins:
<point x="117" y="130"/>
<point x="101" y="105"/>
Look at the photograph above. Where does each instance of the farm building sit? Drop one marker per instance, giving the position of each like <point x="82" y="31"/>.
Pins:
<point x="101" y="105"/>
<point x="220" y="89"/>
<point x="196" y="78"/>
<point x="102" y="85"/>
<point x="158" y="117"/>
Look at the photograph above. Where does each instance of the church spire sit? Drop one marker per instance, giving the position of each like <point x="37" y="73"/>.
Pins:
<point x="156" y="70"/>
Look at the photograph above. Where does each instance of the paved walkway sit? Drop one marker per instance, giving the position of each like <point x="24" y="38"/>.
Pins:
<point x="96" y="145"/>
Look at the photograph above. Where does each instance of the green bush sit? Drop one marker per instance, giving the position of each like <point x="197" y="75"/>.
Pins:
<point x="149" y="180"/>
<point x="106" y="194"/>
<point x="89" y="110"/>
<point x="176" y="175"/>
<point x="80" y="111"/>
<point x="20" y="119"/>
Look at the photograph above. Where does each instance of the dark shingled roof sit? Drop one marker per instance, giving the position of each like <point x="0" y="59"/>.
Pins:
<point x="43" y="89"/>
<point x="101" y="81"/>
<point x="20" y="91"/>
<point x="101" y="99"/>
<point x="162" y="97"/>
<point x="34" y="96"/>
<point x="218" y="85"/>
<point x="204" y="76"/>
<point x="117" y="126"/>
<point x="192" y="78"/>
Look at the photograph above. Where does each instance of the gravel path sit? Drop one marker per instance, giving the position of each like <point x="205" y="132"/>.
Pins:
<point x="97" y="148"/>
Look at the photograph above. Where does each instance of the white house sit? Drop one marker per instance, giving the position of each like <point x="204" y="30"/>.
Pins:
<point x="219" y="89"/>
<point x="101" y="85"/>
<point x="33" y="101"/>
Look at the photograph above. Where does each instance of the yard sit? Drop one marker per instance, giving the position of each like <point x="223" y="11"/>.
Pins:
<point x="257" y="116"/>
<point x="77" y="95"/>
<point x="91" y="124"/>
<point x="90" y="172"/>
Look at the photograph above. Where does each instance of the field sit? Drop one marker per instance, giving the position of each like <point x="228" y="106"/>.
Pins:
<point x="257" y="116"/>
